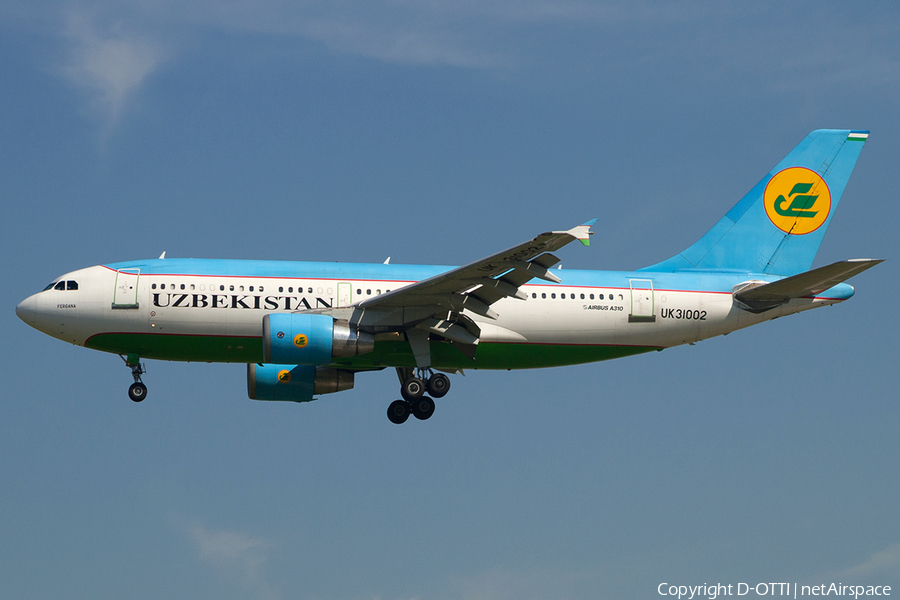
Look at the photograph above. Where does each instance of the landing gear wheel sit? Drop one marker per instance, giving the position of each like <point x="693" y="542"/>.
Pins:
<point x="398" y="412"/>
<point x="137" y="392"/>
<point x="412" y="389"/>
<point x="438" y="385"/>
<point x="423" y="408"/>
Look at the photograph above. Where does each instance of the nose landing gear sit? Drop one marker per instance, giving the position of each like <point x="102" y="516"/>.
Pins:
<point x="413" y="386"/>
<point x="137" y="391"/>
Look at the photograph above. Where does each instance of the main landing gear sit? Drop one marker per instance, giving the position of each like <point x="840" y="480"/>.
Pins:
<point x="413" y="387"/>
<point x="137" y="391"/>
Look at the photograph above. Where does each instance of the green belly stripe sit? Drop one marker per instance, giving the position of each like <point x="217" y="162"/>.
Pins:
<point x="491" y="355"/>
<point x="191" y="348"/>
<point x="233" y="349"/>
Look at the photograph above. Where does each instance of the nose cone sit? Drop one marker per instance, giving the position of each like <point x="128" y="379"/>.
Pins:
<point x="27" y="310"/>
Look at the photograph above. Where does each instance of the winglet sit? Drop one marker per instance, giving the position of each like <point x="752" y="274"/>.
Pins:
<point x="582" y="232"/>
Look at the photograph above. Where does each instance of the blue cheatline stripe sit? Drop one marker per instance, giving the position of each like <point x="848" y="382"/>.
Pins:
<point x="720" y="280"/>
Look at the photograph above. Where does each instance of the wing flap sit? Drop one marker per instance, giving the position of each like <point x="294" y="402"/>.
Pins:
<point x="502" y="273"/>
<point x="437" y="305"/>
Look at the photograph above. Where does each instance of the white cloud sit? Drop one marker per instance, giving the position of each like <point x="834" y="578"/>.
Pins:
<point x="239" y="558"/>
<point x="883" y="562"/>
<point x="508" y="584"/>
<point x="108" y="63"/>
<point x="114" y="46"/>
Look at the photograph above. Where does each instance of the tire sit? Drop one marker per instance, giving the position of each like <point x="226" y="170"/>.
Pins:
<point x="398" y="412"/>
<point x="412" y="389"/>
<point x="137" y="392"/>
<point x="423" y="408"/>
<point x="438" y="385"/>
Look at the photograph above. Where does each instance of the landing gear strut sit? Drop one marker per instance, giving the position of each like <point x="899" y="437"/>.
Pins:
<point x="137" y="391"/>
<point x="413" y="385"/>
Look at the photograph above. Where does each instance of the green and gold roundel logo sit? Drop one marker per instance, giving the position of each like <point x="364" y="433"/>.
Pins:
<point x="301" y="340"/>
<point x="284" y="376"/>
<point x="797" y="200"/>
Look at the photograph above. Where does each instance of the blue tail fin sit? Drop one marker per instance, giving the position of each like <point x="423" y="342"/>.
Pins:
<point x="778" y="226"/>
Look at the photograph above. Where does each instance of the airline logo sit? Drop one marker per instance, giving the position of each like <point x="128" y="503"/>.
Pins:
<point x="284" y="376"/>
<point x="301" y="340"/>
<point x="797" y="200"/>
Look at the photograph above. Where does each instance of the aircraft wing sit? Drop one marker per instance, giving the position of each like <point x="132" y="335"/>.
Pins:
<point x="435" y="304"/>
<point x="769" y="295"/>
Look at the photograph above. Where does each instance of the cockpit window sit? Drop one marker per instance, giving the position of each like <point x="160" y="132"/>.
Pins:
<point x="71" y="285"/>
<point x="49" y="287"/>
<point x="60" y="286"/>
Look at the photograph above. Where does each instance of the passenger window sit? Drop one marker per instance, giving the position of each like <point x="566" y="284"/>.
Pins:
<point x="582" y="296"/>
<point x="241" y="288"/>
<point x="600" y="296"/>
<point x="260" y="288"/>
<point x="251" y="288"/>
<point x="280" y="289"/>
<point x="60" y="286"/>
<point x="309" y="290"/>
<point x="192" y="287"/>
<point x="533" y="295"/>
<point x="71" y="285"/>
<point x="592" y="296"/>
<point x="182" y="286"/>
<point x="553" y="296"/>
<point x="230" y="288"/>
<point x="544" y="296"/>
<point x="153" y="287"/>
<point x="291" y="290"/>
<point x="358" y="291"/>
<point x="368" y="292"/>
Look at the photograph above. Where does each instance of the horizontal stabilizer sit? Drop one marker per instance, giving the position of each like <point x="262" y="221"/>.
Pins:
<point x="759" y="298"/>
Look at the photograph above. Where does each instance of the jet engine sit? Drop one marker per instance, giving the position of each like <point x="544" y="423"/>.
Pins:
<point x="304" y="339"/>
<point x="295" y="383"/>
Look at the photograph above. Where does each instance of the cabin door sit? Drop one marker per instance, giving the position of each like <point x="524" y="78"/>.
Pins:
<point x="126" y="290"/>
<point x="345" y="295"/>
<point x="642" y="301"/>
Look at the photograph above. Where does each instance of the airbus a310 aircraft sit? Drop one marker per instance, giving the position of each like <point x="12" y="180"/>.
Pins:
<point x="307" y="328"/>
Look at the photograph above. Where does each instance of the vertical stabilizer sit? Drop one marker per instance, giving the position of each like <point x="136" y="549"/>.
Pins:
<point x="778" y="226"/>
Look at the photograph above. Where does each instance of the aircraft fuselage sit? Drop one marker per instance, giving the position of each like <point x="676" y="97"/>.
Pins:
<point x="211" y="311"/>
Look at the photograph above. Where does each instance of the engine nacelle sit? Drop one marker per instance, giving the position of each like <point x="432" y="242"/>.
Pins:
<point x="295" y="383"/>
<point x="303" y="339"/>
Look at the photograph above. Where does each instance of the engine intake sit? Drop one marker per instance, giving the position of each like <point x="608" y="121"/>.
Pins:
<point x="302" y="339"/>
<point x="295" y="383"/>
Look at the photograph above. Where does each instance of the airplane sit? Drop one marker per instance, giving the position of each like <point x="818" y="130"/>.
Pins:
<point x="306" y="329"/>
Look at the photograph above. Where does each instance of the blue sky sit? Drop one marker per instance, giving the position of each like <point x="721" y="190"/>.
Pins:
<point x="440" y="134"/>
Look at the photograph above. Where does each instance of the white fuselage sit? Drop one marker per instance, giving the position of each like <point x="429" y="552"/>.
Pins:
<point x="615" y="309"/>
